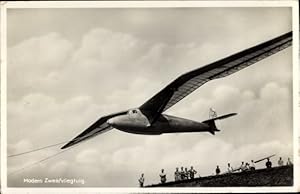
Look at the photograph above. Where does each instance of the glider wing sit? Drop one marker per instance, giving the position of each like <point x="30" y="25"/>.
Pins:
<point x="100" y="126"/>
<point x="189" y="82"/>
<point x="264" y="158"/>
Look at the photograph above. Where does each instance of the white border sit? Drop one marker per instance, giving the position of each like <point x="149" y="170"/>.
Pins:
<point x="148" y="4"/>
<point x="3" y="94"/>
<point x="296" y="96"/>
<point x="151" y="4"/>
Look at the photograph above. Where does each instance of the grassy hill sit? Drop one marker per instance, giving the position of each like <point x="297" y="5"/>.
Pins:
<point x="277" y="176"/>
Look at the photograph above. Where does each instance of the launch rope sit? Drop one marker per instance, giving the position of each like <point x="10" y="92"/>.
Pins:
<point x="35" y="163"/>
<point x="44" y="159"/>
<point x="35" y="150"/>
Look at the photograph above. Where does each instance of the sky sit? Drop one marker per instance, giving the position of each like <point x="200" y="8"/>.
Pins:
<point x="68" y="67"/>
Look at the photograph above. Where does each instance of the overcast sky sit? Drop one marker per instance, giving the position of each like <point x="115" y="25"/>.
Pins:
<point x="68" y="67"/>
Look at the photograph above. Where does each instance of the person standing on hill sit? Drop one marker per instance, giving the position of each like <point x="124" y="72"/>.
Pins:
<point x="163" y="176"/>
<point x="218" y="171"/>
<point x="192" y="172"/>
<point x="268" y="163"/>
<point x="247" y="166"/>
<point x="142" y="180"/>
<point x="229" y="169"/>
<point x="289" y="162"/>
<point x="177" y="175"/>
<point x="182" y="174"/>
<point x="252" y="166"/>
<point x="280" y="162"/>
<point x="186" y="174"/>
<point x="243" y="167"/>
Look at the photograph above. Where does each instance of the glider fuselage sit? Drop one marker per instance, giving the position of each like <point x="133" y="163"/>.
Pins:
<point x="136" y="122"/>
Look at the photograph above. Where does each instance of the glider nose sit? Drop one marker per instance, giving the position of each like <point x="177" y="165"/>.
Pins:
<point x="119" y="121"/>
<point x="111" y="121"/>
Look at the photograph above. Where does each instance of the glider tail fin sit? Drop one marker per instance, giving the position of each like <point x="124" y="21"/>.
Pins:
<point x="212" y="125"/>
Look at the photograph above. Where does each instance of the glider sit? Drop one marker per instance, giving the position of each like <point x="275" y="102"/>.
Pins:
<point x="148" y="118"/>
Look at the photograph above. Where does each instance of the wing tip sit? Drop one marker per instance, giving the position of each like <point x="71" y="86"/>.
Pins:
<point x="67" y="145"/>
<point x="64" y="147"/>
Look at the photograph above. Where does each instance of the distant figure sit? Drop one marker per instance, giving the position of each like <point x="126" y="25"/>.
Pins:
<point x="186" y="174"/>
<point x="163" y="176"/>
<point x="289" y="162"/>
<point x="177" y="175"/>
<point x="280" y="162"/>
<point x="252" y="166"/>
<point x="243" y="167"/>
<point x="247" y="167"/>
<point x="182" y="174"/>
<point x="142" y="180"/>
<point x="229" y="168"/>
<point x="192" y="172"/>
<point x="268" y="163"/>
<point x="218" y="171"/>
<point x="212" y="113"/>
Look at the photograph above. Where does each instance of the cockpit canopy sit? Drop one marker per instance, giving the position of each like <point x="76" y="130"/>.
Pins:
<point x="133" y="111"/>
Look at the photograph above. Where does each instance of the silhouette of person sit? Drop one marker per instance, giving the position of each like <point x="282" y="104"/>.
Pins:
<point x="142" y="180"/>
<point x="218" y="171"/>
<point x="182" y="174"/>
<point x="186" y="174"/>
<point x="247" y="166"/>
<point x="268" y="163"/>
<point x="192" y="172"/>
<point x="243" y="167"/>
<point x="177" y="175"/>
<point x="212" y="113"/>
<point x="229" y="169"/>
<point x="252" y="166"/>
<point x="280" y="162"/>
<point x="289" y="162"/>
<point x="163" y="176"/>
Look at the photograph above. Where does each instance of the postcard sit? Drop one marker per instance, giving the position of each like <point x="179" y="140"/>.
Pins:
<point x="149" y="97"/>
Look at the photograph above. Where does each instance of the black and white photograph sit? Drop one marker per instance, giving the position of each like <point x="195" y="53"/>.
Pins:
<point x="150" y="96"/>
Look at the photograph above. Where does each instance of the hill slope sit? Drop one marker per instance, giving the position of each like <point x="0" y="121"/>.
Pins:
<point x="277" y="176"/>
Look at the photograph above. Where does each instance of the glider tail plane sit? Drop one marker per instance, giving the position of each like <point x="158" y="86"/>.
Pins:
<point x="211" y="122"/>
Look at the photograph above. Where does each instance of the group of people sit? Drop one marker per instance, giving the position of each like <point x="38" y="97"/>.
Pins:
<point x="251" y="167"/>
<point x="281" y="163"/>
<point x="244" y="167"/>
<point x="185" y="174"/>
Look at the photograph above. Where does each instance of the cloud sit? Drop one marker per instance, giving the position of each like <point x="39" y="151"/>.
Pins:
<point x="56" y="90"/>
<point x="86" y="157"/>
